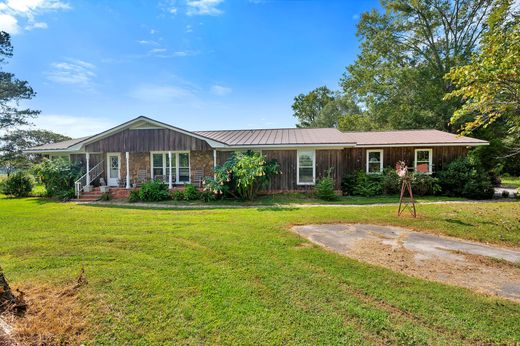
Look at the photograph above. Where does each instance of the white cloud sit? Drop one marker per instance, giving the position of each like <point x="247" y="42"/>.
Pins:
<point x="203" y="7"/>
<point x="189" y="28"/>
<point x="161" y="93"/>
<point x="220" y="90"/>
<point x="12" y="12"/>
<point x="165" y="53"/>
<point x="148" y="42"/>
<point x="73" y="126"/>
<point x="173" y="10"/>
<point x="9" y="24"/>
<point x="73" y="71"/>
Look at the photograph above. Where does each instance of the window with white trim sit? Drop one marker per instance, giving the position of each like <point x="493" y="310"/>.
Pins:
<point x="374" y="161"/>
<point x="423" y="160"/>
<point x="306" y="171"/>
<point x="180" y="166"/>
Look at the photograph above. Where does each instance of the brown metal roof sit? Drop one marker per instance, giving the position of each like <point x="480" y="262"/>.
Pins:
<point x="60" y="145"/>
<point x="292" y="136"/>
<point x="409" y="137"/>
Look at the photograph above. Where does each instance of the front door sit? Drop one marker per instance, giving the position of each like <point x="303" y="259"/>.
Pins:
<point x="113" y="173"/>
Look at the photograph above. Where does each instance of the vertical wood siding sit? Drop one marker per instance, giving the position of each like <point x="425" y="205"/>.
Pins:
<point x="143" y="140"/>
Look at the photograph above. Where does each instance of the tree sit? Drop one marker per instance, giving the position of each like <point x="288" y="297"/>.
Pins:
<point x="12" y="91"/>
<point x="405" y="53"/>
<point x="13" y="143"/>
<point x="307" y="107"/>
<point x="490" y="84"/>
<point x="334" y="112"/>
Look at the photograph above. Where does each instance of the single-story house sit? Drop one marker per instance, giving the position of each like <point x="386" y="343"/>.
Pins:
<point x="143" y="149"/>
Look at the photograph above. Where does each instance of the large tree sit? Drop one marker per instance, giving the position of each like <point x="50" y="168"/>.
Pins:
<point x="405" y="52"/>
<point x="12" y="91"/>
<point x="490" y="84"/>
<point x="307" y="107"/>
<point x="13" y="143"/>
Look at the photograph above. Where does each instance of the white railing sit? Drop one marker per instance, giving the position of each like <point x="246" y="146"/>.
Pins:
<point x="94" y="172"/>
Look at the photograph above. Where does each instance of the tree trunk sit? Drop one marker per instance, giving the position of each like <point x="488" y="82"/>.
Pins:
<point x="7" y="298"/>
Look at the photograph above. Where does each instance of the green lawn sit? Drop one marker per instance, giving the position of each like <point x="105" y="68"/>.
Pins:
<point x="303" y="198"/>
<point x="239" y="276"/>
<point x="510" y="182"/>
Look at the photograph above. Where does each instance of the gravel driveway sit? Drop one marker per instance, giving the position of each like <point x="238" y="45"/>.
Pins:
<point x="483" y="268"/>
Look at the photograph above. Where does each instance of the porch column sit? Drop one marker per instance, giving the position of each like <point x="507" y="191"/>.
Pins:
<point x="87" y="157"/>
<point x="127" y="170"/>
<point x="170" y="185"/>
<point x="214" y="159"/>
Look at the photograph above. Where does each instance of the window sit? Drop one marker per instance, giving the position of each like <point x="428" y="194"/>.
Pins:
<point x="306" y="168"/>
<point x="180" y="167"/>
<point x="184" y="167"/>
<point x="374" y="161"/>
<point x="423" y="160"/>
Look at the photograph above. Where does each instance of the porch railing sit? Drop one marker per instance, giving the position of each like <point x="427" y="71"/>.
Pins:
<point x="93" y="174"/>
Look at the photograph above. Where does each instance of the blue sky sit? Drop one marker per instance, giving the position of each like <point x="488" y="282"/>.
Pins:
<point x="196" y="64"/>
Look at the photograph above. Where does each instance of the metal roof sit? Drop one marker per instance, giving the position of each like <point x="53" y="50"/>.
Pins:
<point x="410" y="137"/>
<point x="289" y="136"/>
<point x="60" y="145"/>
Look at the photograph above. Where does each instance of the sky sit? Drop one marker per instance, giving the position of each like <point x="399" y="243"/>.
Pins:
<point x="194" y="64"/>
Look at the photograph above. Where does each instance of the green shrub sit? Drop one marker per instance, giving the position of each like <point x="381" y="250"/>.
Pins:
<point x="368" y="185"/>
<point x="134" y="196"/>
<point x="425" y="184"/>
<point x="324" y="188"/>
<point x="190" y="193"/>
<point x="177" y="195"/>
<point x="347" y="184"/>
<point x="391" y="182"/>
<point x="242" y="175"/>
<point x="207" y="196"/>
<point x="105" y="196"/>
<point x="465" y="177"/>
<point x="154" y="191"/>
<point x="18" y="184"/>
<point x="58" y="177"/>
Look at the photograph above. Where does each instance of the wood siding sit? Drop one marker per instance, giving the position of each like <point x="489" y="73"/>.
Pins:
<point x="145" y="140"/>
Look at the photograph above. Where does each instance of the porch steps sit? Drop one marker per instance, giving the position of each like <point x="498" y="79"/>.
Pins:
<point x="91" y="196"/>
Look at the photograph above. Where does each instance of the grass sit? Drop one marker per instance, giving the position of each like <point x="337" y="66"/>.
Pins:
<point x="303" y="198"/>
<point x="239" y="276"/>
<point x="510" y="182"/>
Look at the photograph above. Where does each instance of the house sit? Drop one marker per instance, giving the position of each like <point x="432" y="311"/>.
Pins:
<point x="143" y="149"/>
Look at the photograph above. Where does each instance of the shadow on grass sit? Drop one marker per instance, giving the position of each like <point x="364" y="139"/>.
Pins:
<point x="459" y="222"/>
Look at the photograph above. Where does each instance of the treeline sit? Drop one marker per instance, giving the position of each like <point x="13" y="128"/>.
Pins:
<point x="447" y="65"/>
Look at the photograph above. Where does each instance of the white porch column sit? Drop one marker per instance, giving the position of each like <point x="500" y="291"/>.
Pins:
<point x="214" y="159"/>
<point x="170" y="184"/>
<point x="87" y="156"/>
<point x="127" y="170"/>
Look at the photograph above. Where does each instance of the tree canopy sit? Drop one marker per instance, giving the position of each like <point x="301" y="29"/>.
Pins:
<point x="490" y="85"/>
<point x="13" y="143"/>
<point x="12" y="91"/>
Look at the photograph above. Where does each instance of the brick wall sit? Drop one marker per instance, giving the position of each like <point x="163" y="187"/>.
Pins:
<point x="201" y="160"/>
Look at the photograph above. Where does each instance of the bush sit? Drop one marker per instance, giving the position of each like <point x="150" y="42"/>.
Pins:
<point x="425" y="184"/>
<point x="324" y="188"/>
<point x="105" y="196"/>
<point x="177" y="195"/>
<point x="206" y="196"/>
<point x="391" y="182"/>
<point x="368" y="185"/>
<point x="154" y="191"/>
<point x="18" y="184"/>
<point x="347" y="184"/>
<point x="465" y="177"/>
<point x="58" y="176"/>
<point x="242" y="175"/>
<point x="190" y="193"/>
<point x="134" y="196"/>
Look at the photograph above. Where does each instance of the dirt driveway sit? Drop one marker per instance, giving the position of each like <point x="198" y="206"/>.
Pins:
<point x="483" y="268"/>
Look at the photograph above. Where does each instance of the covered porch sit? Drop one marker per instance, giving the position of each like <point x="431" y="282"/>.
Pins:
<point x="129" y="170"/>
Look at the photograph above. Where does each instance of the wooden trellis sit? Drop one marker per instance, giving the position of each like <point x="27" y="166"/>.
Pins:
<point x="406" y="200"/>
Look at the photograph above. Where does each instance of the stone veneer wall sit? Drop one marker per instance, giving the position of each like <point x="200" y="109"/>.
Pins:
<point x="199" y="160"/>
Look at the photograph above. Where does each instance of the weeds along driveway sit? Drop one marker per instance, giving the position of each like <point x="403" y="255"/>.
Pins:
<point x="485" y="269"/>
